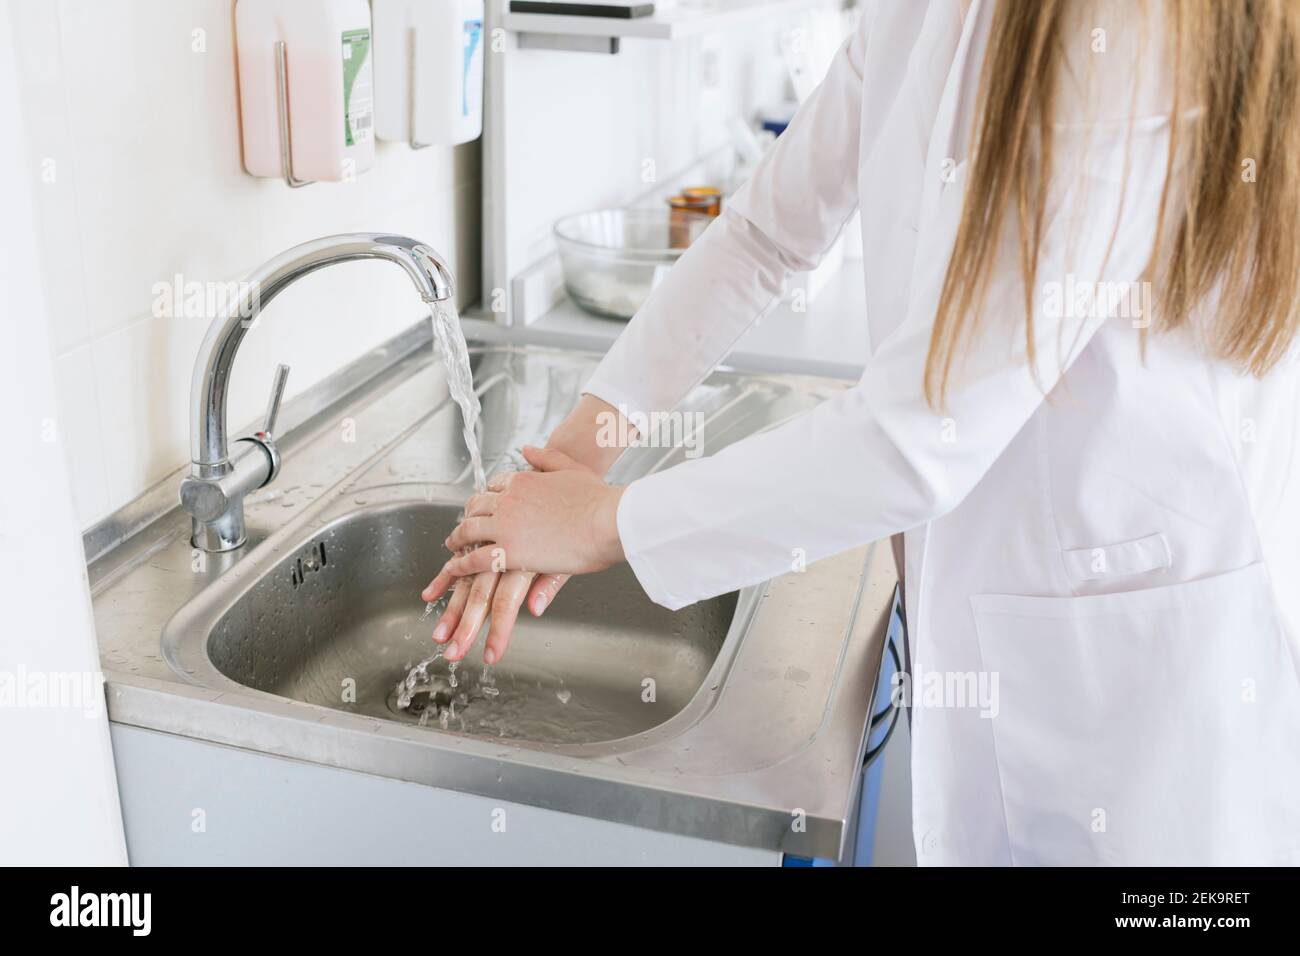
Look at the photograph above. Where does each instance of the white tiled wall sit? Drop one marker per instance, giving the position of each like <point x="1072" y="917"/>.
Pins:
<point x="134" y="136"/>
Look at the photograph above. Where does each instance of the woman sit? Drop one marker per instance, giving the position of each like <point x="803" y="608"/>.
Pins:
<point x="1079" y="225"/>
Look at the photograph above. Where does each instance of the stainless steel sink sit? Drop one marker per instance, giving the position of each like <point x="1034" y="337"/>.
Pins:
<point x="334" y="620"/>
<point x="719" y="721"/>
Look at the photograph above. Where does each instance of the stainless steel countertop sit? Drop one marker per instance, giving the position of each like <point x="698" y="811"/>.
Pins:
<point x="781" y="732"/>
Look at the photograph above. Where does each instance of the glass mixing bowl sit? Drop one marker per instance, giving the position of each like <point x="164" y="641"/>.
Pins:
<point x="612" y="258"/>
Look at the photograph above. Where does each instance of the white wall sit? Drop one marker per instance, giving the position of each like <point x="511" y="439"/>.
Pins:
<point x="58" y="801"/>
<point x="134" y="140"/>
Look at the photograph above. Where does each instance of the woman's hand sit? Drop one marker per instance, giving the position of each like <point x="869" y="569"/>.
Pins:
<point x="493" y="596"/>
<point x="559" y="519"/>
<point x="501" y="595"/>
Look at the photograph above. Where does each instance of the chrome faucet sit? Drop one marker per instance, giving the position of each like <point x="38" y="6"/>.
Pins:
<point x="213" y="494"/>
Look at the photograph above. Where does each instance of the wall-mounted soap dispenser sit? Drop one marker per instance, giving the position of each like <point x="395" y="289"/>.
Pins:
<point x="428" y="70"/>
<point x="306" y="88"/>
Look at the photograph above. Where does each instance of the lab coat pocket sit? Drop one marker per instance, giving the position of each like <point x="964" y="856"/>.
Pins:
<point x="1159" y="726"/>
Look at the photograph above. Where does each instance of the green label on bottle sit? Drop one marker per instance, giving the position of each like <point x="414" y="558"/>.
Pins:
<point x="358" y="88"/>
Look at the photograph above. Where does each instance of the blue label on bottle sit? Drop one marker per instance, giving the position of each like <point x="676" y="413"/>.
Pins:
<point x="472" y="33"/>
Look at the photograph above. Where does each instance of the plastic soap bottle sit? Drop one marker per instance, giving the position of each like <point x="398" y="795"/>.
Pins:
<point x="329" y="58"/>
<point x="429" y="70"/>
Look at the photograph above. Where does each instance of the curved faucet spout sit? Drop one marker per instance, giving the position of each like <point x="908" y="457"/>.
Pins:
<point x="209" y="390"/>
<point x="211" y="383"/>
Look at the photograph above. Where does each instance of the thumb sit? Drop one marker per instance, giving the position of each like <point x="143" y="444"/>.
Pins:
<point x="548" y="459"/>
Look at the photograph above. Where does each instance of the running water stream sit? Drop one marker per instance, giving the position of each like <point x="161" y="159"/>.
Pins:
<point x="449" y="345"/>
<point x="421" y="691"/>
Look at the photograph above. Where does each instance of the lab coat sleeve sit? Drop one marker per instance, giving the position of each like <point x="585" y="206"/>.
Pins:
<point x="876" y="459"/>
<point x="783" y="220"/>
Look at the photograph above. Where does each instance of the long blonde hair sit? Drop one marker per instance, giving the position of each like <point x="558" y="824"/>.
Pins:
<point x="1223" y="231"/>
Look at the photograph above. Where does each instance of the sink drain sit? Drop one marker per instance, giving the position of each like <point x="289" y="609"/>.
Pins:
<point x="433" y="698"/>
<point x="424" y="699"/>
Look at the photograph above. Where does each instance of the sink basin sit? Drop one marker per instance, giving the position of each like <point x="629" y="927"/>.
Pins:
<point x="715" y="723"/>
<point x="336" y="621"/>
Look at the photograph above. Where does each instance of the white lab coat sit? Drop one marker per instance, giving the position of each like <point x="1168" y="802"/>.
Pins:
<point x="1115" y="565"/>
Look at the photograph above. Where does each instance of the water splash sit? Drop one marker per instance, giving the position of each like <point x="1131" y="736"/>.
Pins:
<point x="416" y="680"/>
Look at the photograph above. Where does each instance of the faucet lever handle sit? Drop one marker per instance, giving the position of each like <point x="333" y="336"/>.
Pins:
<point x="277" y="394"/>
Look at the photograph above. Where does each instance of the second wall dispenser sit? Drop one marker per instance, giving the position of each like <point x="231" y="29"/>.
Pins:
<point x="429" y="70"/>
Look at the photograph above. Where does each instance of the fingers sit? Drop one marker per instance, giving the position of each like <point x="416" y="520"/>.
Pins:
<point x="481" y="504"/>
<point x="447" y="576"/>
<point x="438" y="586"/>
<point x="477" y="561"/>
<point x="476" y="608"/>
<point x="500" y="482"/>
<point x="472" y="531"/>
<point x="455" y="607"/>
<point x="543" y="590"/>
<point x="548" y="459"/>
<point x="510" y="594"/>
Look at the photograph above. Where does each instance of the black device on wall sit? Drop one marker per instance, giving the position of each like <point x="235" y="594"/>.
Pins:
<point x="619" y="9"/>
